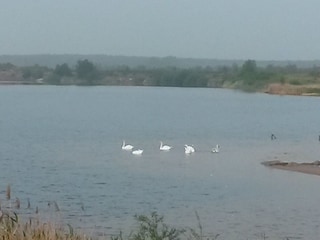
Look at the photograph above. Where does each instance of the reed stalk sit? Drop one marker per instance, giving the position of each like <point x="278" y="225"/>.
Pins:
<point x="8" y="192"/>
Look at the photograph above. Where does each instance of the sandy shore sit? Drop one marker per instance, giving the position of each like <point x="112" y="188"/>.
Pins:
<point x="309" y="168"/>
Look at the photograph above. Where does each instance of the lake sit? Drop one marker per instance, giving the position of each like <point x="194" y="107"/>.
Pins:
<point x="63" y="144"/>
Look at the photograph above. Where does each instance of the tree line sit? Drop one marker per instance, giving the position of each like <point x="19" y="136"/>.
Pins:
<point x="249" y="76"/>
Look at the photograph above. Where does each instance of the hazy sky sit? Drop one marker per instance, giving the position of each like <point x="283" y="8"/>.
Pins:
<point x="221" y="29"/>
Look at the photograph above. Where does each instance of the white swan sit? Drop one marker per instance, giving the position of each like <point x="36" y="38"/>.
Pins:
<point x="188" y="149"/>
<point x="164" y="147"/>
<point x="216" y="149"/>
<point x="137" y="152"/>
<point x="127" y="147"/>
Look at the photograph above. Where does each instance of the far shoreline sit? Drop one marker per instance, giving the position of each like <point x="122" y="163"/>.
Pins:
<point x="271" y="89"/>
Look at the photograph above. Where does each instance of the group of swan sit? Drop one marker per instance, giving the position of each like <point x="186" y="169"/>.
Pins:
<point x="129" y="147"/>
<point x="188" y="149"/>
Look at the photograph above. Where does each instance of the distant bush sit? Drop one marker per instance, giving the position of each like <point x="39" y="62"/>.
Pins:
<point x="313" y="90"/>
<point x="295" y="82"/>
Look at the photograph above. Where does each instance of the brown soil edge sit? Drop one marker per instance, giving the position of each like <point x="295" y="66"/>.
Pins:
<point x="308" y="168"/>
<point x="288" y="89"/>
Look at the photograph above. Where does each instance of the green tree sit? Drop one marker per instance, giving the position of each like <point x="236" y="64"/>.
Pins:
<point x="249" y="67"/>
<point x="87" y="71"/>
<point x="248" y="72"/>
<point x="6" y="66"/>
<point x="314" y="72"/>
<point x="53" y="79"/>
<point x="34" y="72"/>
<point x="63" y="70"/>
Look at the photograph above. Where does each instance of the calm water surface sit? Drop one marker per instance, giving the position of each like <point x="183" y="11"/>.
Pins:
<point x="63" y="144"/>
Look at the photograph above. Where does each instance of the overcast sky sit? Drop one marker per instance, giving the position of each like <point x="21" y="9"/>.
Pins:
<point x="220" y="29"/>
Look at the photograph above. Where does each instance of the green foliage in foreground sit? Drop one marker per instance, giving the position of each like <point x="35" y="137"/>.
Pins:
<point x="149" y="228"/>
<point x="154" y="228"/>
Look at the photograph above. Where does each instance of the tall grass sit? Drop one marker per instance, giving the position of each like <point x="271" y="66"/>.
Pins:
<point x="150" y="227"/>
<point x="11" y="228"/>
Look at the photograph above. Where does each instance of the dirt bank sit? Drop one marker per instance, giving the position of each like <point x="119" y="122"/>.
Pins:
<point x="289" y="89"/>
<point x="309" y="168"/>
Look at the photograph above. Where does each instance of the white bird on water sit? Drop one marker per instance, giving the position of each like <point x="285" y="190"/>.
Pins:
<point x="216" y="149"/>
<point x="137" y="152"/>
<point x="164" y="147"/>
<point x="127" y="147"/>
<point x="188" y="149"/>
